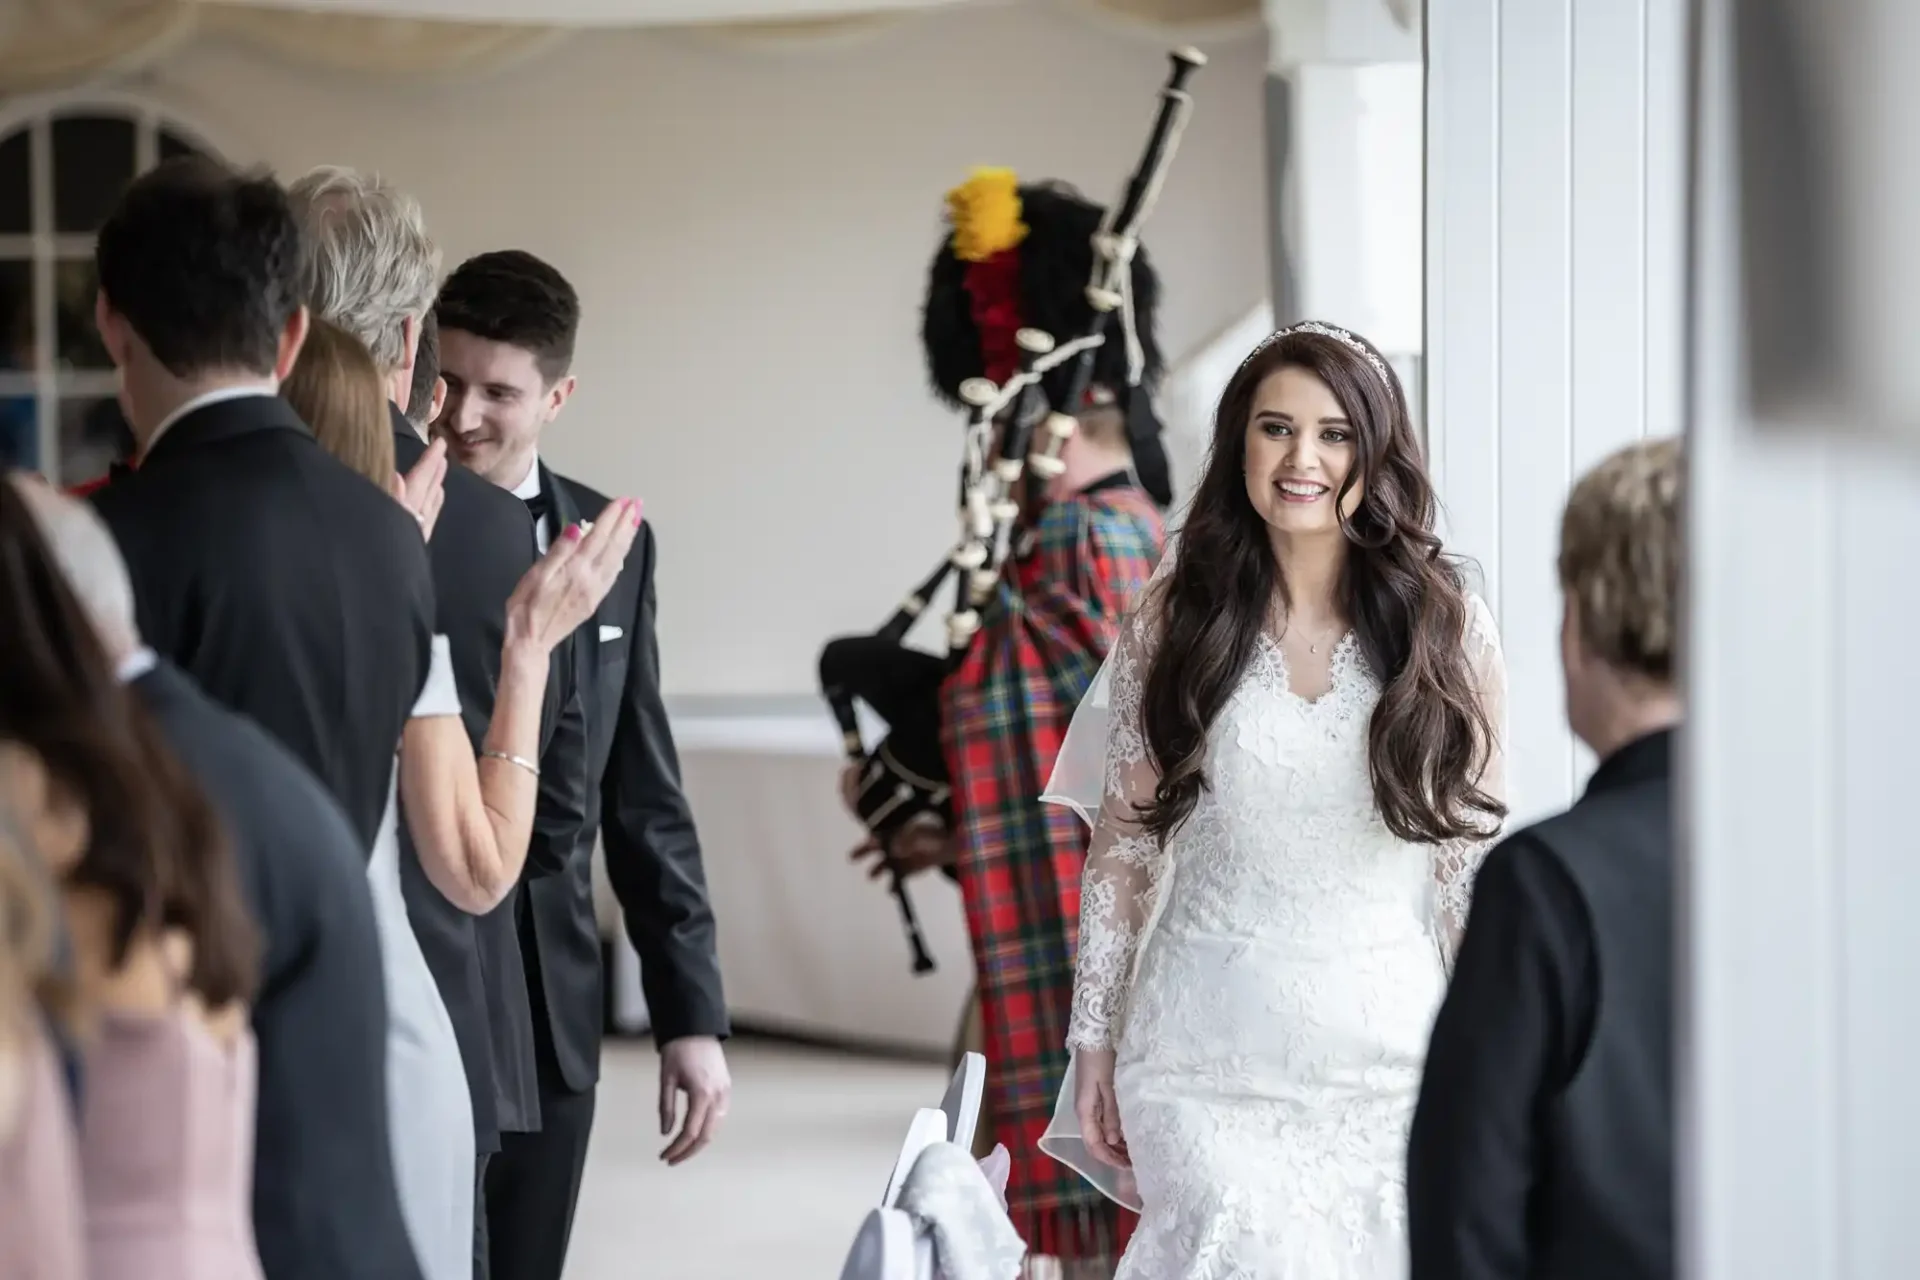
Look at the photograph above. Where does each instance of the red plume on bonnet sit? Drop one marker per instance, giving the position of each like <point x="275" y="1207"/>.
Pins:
<point x="987" y="233"/>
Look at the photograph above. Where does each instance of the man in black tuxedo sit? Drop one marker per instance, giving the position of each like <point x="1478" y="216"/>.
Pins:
<point x="507" y="328"/>
<point x="325" y="1206"/>
<point x="373" y="272"/>
<point x="428" y="391"/>
<point x="286" y="585"/>
<point x="1543" y="1143"/>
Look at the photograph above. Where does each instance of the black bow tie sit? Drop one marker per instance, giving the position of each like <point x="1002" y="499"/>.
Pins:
<point x="538" y="506"/>
<point x="118" y="471"/>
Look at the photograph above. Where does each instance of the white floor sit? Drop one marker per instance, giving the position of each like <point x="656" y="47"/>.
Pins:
<point x="805" y="1153"/>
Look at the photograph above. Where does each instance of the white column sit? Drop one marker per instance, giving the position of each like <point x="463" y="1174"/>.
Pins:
<point x="1554" y="202"/>
<point x="1801" y="1152"/>
<point x="1345" y="84"/>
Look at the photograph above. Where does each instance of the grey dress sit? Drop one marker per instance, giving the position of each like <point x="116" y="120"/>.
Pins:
<point x="431" y="1112"/>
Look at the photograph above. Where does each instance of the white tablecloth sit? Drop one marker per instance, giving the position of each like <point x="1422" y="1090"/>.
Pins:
<point x="807" y="943"/>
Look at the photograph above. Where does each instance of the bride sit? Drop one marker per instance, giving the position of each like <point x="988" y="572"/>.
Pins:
<point x="1301" y="770"/>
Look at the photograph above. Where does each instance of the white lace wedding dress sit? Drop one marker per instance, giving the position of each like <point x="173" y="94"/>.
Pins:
<point x="1268" y="979"/>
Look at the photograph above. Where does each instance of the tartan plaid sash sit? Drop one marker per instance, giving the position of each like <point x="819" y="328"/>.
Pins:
<point x="1005" y="712"/>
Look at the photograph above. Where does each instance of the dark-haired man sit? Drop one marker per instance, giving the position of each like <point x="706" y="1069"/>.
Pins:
<point x="429" y="389"/>
<point x="507" y="328"/>
<point x="290" y="588"/>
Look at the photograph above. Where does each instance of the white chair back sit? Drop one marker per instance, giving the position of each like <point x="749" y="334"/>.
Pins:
<point x="888" y="1248"/>
<point x="956" y="1208"/>
<point x="962" y="1103"/>
<point x="928" y="1127"/>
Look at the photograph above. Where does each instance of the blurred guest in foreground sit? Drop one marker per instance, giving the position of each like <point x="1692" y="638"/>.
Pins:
<point x="40" y="1225"/>
<point x="1543" y="1143"/>
<point x="165" y="956"/>
<point x="324" y="1202"/>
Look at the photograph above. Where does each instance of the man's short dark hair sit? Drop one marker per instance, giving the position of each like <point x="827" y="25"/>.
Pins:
<point x="426" y="371"/>
<point x="204" y="262"/>
<point x="513" y="297"/>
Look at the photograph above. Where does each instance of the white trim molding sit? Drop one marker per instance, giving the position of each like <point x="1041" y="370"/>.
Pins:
<point x="1799" y="1123"/>
<point x="1554" y="200"/>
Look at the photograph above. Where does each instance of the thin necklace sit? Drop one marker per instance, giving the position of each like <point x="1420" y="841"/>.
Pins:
<point x="1313" y="647"/>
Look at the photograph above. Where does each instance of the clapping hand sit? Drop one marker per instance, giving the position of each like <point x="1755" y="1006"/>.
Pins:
<point x="694" y="1066"/>
<point x="423" y="489"/>
<point x="563" y="589"/>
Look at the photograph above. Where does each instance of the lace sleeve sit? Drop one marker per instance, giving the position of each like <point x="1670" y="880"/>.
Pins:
<point x="1124" y="864"/>
<point x="1456" y="861"/>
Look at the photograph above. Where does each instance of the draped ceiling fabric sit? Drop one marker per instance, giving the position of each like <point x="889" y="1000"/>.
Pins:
<point x="54" y="44"/>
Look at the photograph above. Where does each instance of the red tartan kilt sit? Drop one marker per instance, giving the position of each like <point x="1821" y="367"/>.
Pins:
<point x="1005" y="712"/>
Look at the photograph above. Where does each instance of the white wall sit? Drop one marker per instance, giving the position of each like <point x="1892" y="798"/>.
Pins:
<point x="749" y="231"/>
<point x="1555" y="171"/>
<point x="1801" y="1145"/>
<point x="1353" y="200"/>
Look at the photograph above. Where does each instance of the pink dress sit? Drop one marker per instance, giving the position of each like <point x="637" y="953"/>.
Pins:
<point x="166" y="1152"/>
<point x="40" y="1229"/>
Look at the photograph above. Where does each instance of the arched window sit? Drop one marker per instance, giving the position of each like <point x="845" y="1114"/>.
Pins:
<point x="61" y="171"/>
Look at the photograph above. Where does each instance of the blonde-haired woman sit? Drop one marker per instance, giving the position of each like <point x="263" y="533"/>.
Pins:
<point x="40" y="1205"/>
<point x="337" y="392"/>
<point x="470" y="819"/>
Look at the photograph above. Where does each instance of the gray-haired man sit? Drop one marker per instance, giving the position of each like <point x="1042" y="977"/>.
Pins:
<point x="373" y="270"/>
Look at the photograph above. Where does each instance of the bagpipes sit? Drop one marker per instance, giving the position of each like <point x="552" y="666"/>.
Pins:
<point x="1020" y="417"/>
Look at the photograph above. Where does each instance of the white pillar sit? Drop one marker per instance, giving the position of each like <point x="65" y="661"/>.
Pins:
<point x="1801" y="1153"/>
<point x="1554" y="201"/>
<point x="1344" y="79"/>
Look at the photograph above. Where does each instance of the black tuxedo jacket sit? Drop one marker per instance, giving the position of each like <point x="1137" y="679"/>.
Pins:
<point x="652" y="850"/>
<point x="325" y="1205"/>
<point x="482" y="545"/>
<point x="289" y="587"/>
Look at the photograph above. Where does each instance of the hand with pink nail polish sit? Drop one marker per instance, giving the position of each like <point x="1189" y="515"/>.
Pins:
<point x="563" y="589"/>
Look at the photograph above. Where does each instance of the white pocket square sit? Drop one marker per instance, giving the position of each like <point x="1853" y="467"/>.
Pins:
<point x="610" y="633"/>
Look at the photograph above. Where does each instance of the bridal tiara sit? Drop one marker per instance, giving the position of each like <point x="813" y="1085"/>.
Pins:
<point x="1326" y="331"/>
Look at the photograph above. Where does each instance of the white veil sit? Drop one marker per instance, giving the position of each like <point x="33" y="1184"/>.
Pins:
<point x="1078" y="782"/>
<point x="1079" y="776"/>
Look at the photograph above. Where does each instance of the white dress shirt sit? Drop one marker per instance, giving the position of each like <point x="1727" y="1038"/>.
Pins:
<point x="528" y="489"/>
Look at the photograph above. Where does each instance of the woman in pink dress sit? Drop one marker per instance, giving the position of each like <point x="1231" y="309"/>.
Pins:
<point x="163" y="951"/>
<point x="40" y="1227"/>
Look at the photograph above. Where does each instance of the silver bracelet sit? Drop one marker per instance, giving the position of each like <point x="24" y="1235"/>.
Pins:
<point x="522" y="761"/>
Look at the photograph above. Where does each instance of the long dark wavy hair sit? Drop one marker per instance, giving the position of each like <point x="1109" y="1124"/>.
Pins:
<point x="1430" y="738"/>
<point x="155" y="845"/>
